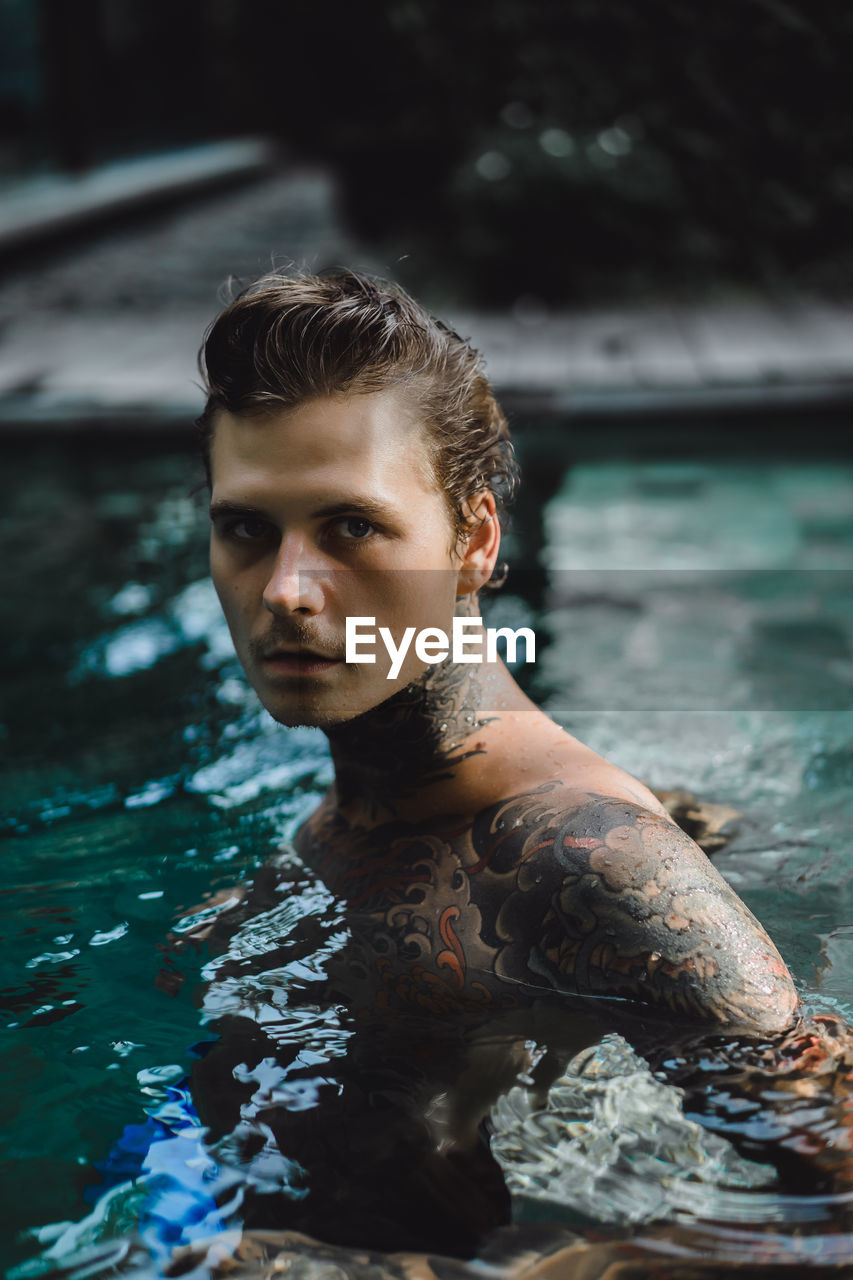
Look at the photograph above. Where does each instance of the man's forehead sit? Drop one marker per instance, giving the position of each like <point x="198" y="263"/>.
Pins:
<point x="380" y="435"/>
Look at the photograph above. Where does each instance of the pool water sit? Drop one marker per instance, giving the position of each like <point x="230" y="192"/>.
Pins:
<point x="694" y="616"/>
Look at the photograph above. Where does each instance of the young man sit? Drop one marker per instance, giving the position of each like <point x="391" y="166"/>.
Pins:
<point x="359" y="465"/>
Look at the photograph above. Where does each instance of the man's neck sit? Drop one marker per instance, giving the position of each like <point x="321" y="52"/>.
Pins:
<point x="412" y="745"/>
<point x="413" y="741"/>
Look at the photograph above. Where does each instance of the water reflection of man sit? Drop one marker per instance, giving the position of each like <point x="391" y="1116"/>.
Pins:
<point x="359" y="465"/>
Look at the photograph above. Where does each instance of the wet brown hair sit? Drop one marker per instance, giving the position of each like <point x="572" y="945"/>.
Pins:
<point x="289" y="338"/>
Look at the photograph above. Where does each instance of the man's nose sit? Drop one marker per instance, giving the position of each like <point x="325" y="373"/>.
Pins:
<point x="294" y="586"/>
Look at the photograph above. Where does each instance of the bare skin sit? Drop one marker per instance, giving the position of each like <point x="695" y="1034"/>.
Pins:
<point x="495" y="858"/>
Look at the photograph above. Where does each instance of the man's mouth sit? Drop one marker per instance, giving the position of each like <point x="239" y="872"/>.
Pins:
<point x="297" y="660"/>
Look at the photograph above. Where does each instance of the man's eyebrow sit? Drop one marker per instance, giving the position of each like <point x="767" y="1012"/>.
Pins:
<point x="353" y="506"/>
<point x="221" y="508"/>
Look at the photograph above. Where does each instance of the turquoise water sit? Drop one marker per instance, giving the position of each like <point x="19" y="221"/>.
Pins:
<point x="699" y="616"/>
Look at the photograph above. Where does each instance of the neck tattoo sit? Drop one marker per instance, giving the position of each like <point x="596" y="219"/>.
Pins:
<point x="416" y="738"/>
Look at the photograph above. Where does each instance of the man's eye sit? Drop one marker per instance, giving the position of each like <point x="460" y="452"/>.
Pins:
<point x="248" y="529"/>
<point x="354" y="528"/>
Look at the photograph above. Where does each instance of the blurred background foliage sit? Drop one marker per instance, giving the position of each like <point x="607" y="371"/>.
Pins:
<point x="551" y="149"/>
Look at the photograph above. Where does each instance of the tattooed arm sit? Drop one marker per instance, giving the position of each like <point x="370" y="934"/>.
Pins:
<point x="615" y="900"/>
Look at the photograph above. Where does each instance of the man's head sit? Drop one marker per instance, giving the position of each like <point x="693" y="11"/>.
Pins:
<point x="345" y="429"/>
<point x="288" y="339"/>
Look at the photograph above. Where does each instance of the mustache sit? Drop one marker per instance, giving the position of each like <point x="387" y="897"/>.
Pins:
<point x="294" y="637"/>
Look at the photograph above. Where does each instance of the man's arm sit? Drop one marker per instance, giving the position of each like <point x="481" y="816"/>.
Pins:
<point x="614" y="900"/>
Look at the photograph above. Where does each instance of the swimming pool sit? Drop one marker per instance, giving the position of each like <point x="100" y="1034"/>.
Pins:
<point x="699" y="613"/>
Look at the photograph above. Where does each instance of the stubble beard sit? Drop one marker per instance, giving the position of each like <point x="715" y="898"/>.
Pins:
<point x="324" y="710"/>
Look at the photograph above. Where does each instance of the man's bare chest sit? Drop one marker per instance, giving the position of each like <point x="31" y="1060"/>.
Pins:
<point x="426" y="911"/>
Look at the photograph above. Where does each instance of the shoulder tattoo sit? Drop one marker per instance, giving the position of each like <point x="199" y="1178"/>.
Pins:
<point x="615" y="900"/>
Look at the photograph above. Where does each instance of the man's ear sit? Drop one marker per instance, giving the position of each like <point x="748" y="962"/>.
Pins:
<point x="479" y="549"/>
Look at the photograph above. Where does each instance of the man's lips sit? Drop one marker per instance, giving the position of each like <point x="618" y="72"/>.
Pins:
<point x="299" y="660"/>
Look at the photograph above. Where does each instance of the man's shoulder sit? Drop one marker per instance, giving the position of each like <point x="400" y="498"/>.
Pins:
<point x="612" y="846"/>
<point x="561" y="821"/>
<point x="530" y="756"/>
<point x="610" y="897"/>
<point x="588" y="893"/>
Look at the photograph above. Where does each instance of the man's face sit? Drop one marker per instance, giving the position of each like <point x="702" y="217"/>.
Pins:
<point x="318" y="513"/>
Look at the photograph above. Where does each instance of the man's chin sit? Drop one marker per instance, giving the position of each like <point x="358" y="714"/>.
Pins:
<point x="303" y="710"/>
<point x="306" y="719"/>
<point x="320" y="712"/>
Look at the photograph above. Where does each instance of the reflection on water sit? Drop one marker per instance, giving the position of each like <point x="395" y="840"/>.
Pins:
<point x="613" y="1142"/>
<point x="142" y="776"/>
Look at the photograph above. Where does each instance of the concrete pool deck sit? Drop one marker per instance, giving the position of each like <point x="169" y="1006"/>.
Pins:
<point x="104" y="329"/>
